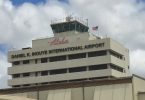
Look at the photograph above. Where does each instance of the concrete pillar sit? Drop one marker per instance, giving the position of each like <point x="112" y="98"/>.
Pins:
<point x="108" y="66"/>
<point x="108" y="52"/>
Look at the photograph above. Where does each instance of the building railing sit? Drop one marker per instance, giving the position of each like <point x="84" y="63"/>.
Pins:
<point x="67" y="19"/>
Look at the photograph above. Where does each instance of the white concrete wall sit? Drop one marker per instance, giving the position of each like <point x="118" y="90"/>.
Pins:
<point x="141" y="96"/>
<point x="113" y="92"/>
<point x="62" y="94"/>
<point x="8" y="97"/>
<point x="60" y="77"/>
<point x="138" y="86"/>
<point x="60" y="64"/>
<point x="103" y="92"/>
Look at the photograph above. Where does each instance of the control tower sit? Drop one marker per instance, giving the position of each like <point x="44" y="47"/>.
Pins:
<point x="69" y="25"/>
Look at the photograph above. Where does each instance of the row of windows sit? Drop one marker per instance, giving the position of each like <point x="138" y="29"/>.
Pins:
<point x="71" y="70"/>
<point x="70" y="57"/>
<point x="117" y="68"/>
<point x="18" y="62"/>
<point x="23" y="75"/>
<point x="117" y="55"/>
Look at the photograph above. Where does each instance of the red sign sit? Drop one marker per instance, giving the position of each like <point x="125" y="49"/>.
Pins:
<point x="58" y="41"/>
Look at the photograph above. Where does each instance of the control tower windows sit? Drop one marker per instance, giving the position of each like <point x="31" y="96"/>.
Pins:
<point x="69" y="26"/>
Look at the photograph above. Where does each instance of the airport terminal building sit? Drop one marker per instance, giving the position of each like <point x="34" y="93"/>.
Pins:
<point x="72" y="65"/>
<point x="71" y="55"/>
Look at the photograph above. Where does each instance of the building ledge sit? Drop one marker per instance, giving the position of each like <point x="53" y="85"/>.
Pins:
<point x="86" y="83"/>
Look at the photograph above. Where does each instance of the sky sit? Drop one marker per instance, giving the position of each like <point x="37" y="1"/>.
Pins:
<point x="20" y="2"/>
<point x="21" y="21"/>
<point x="36" y="2"/>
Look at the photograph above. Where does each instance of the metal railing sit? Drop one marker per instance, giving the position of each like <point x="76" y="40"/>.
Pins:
<point x="67" y="19"/>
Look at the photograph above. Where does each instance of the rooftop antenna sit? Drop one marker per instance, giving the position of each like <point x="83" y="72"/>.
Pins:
<point x="69" y="17"/>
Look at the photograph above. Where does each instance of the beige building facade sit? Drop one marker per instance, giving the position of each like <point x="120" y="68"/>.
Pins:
<point x="71" y="55"/>
<point x="127" y="88"/>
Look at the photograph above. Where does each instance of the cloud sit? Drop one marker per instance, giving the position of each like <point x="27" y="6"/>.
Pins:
<point x="138" y="62"/>
<point x="3" y="62"/>
<point x="27" y="22"/>
<point x="123" y="20"/>
<point x="3" y="70"/>
<point x="3" y="81"/>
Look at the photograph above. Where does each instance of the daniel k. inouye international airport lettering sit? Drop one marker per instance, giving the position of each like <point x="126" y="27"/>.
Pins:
<point x="60" y="50"/>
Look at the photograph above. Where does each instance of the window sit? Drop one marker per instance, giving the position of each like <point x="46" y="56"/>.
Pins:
<point x="26" y="62"/>
<point x="36" y="74"/>
<point x="16" y="62"/>
<point x="26" y="85"/>
<point x="36" y="61"/>
<point x="45" y="83"/>
<point x="77" y="56"/>
<point x="115" y="54"/>
<point x="77" y="80"/>
<point x="58" y="71"/>
<point x="15" y="86"/>
<point x="26" y="74"/>
<point x="58" y="82"/>
<point x="77" y="69"/>
<point x="116" y="68"/>
<point x="94" y="78"/>
<point x="16" y="75"/>
<point x="97" y="53"/>
<point x="43" y="60"/>
<point x="43" y="73"/>
<point x="98" y="67"/>
<point x="57" y="58"/>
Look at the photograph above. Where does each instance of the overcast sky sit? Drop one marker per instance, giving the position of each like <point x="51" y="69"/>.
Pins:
<point x="24" y="20"/>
